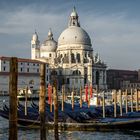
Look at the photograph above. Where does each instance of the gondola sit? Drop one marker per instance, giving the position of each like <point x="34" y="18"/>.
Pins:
<point x="100" y="124"/>
<point x="85" y="117"/>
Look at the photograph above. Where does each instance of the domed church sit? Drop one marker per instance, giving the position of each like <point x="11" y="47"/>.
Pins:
<point x="71" y="59"/>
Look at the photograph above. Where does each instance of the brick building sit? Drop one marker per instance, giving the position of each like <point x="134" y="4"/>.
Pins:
<point x="119" y="79"/>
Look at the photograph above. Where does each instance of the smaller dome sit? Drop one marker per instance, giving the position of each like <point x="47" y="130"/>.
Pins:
<point x="49" y="45"/>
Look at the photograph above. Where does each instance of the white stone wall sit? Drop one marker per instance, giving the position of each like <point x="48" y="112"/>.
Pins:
<point x="23" y="81"/>
<point x="4" y="66"/>
<point x="4" y="84"/>
<point x="102" y="76"/>
<point x="28" y="67"/>
<point x="28" y="71"/>
<point x="45" y="54"/>
<point x="33" y="52"/>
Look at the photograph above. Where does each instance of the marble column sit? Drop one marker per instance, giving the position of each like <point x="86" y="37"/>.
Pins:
<point x="69" y="56"/>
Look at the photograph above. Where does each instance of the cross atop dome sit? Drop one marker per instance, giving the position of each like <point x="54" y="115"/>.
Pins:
<point x="74" y="18"/>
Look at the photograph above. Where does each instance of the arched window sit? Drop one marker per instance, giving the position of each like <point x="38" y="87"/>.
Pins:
<point x="72" y="58"/>
<point x="85" y="54"/>
<point x="76" y="72"/>
<point x="66" y="58"/>
<point x="78" y="57"/>
<point x="54" y="72"/>
<point x="60" y="72"/>
<point x="61" y="55"/>
<point x="97" y="77"/>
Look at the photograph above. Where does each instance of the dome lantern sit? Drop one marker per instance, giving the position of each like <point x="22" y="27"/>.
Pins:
<point x="74" y="13"/>
<point x="50" y="35"/>
<point x="74" y="18"/>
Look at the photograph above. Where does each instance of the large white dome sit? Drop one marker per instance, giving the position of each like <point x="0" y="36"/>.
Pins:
<point x="74" y="35"/>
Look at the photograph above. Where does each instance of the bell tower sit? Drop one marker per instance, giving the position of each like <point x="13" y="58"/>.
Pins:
<point x="35" y="50"/>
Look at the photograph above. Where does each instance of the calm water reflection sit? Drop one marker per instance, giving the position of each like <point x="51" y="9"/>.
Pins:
<point x="34" y="134"/>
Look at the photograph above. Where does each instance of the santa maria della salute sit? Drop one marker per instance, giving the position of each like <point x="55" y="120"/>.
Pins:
<point x="71" y="57"/>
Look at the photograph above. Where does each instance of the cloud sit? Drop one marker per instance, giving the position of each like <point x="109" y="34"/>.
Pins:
<point x="116" y="38"/>
<point x="115" y="35"/>
<point x="16" y="30"/>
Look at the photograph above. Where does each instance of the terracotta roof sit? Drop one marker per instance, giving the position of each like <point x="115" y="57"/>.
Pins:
<point x="21" y="59"/>
<point x="119" y="70"/>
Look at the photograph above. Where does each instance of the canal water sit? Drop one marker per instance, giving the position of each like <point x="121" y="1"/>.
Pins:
<point x="34" y="134"/>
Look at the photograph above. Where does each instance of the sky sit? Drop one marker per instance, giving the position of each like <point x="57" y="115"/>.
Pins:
<point x="113" y="26"/>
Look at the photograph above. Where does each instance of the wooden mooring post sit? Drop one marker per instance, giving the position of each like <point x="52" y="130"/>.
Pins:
<point x="26" y="100"/>
<point x="137" y="102"/>
<point x="120" y="94"/>
<point x="42" y="101"/>
<point x="64" y="93"/>
<point x="126" y="101"/>
<point x="55" y="111"/>
<point x="62" y="98"/>
<point x="13" y="98"/>
<point x="131" y="100"/>
<point x="72" y="99"/>
<point x="88" y="98"/>
<point x="80" y="96"/>
<point x="115" y="103"/>
<point x="103" y="105"/>
<point x="97" y="100"/>
<point x="51" y="99"/>
<point x="138" y="97"/>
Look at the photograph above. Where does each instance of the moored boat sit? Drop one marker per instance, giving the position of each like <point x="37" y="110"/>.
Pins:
<point x="84" y="119"/>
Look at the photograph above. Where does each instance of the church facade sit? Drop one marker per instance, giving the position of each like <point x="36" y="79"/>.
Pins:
<point x="71" y="59"/>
